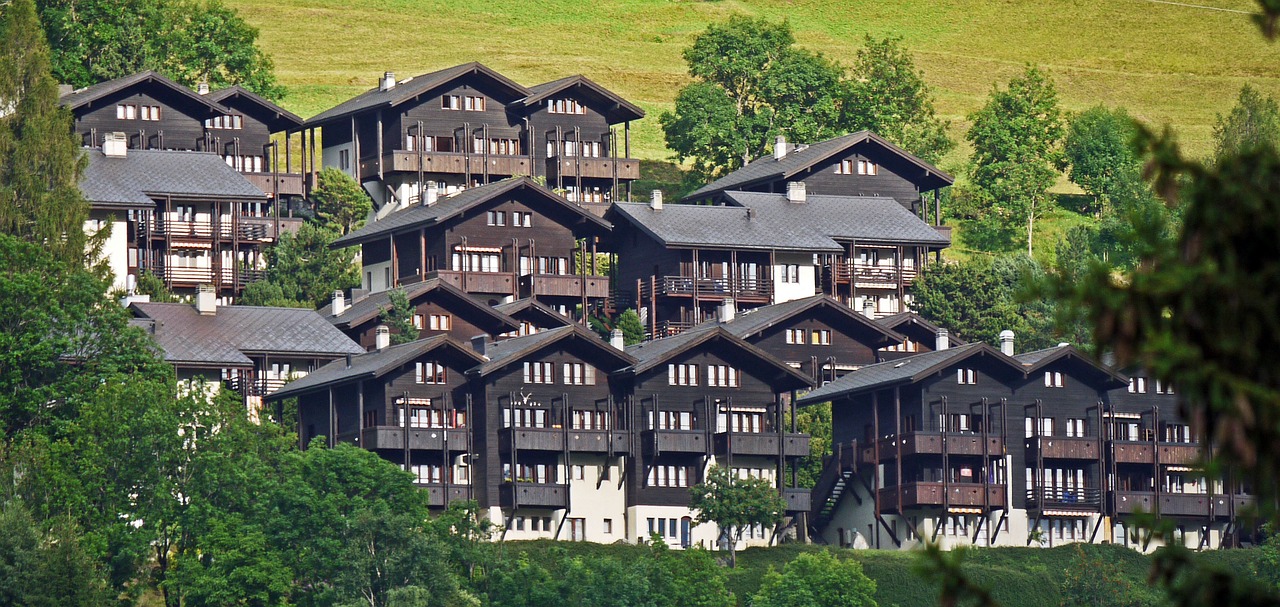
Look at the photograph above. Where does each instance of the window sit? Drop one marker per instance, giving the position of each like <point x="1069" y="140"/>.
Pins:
<point x="440" y="322"/>
<point x="1053" y="379"/>
<point x="531" y="473"/>
<point x="473" y="103"/>
<point x="429" y="373"/>
<point x="429" y="473"/>
<point x="538" y="373"/>
<point x="522" y="219"/>
<point x="722" y="376"/>
<point x="608" y="525"/>
<point x="496" y="218"/>
<point x="591" y="149"/>
<point x="740" y="421"/>
<point x="845" y="167"/>
<point x="866" y="167"/>
<point x="524" y="417"/>
<point x="1177" y="433"/>
<point x="577" y="472"/>
<point x="820" y="337"/>
<point x="126" y="112"/>
<point x="1045" y="426"/>
<point x="791" y="273"/>
<point x="450" y="102"/>
<point x="590" y="420"/>
<point x="795" y="336"/>
<point x="1164" y="387"/>
<point x="966" y="376"/>
<point x="668" y="476"/>
<point x="671" y="420"/>
<point x="565" y="106"/>
<point x="476" y="259"/>
<point x="1137" y="385"/>
<point x="418" y="321"/>
<point x="344" y="160"/>
<point x="682" y="375"/>
<point x="504" y="147"/>
<point x="579" y="374"/>
<point x="1075" y="427"/>
<point x="150" y="112"/>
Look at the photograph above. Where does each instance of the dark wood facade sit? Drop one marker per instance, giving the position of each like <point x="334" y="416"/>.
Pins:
<point x="468" y="125"/>
<point x="438" y="309"/>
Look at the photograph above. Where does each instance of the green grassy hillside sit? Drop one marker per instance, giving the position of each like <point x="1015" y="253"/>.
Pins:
<point x="1166" y="61"/>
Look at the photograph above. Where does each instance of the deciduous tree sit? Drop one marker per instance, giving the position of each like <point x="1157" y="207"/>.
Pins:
<point x="816" y="579"/>
<point x="1253" y="122"/>
<point x="888" y="96"/>
<point x="733" y="504"/>
<point x="1101" y="157"/>
<point x="302" y="271"/>
<point x="1016" y="141"/>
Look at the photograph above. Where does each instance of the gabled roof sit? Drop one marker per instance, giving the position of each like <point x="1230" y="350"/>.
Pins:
<point x="449" y="207"/>
<point x="1039" y="359"/>
<point x="409" y="88"/>
<point x="530" y="307"/>
<point x="622" y="110"/>
<point x="79" y="97"/>
<point x="905" y="371"/>
<point x="371" y="365"/>
<point x="799" y="159"/>
<point x="232" y="332"/>
<point x="905" y="322"/>
<point x="503" y="353"/>
<point x="763" y="318"/>
<point x="689" y="225"/>
<point x="275" y="117"/>
<point x="134" y="179"/>
<point x="654" y="353"/>
<point x="860" y="218"/>
<point x="370" y="306"/>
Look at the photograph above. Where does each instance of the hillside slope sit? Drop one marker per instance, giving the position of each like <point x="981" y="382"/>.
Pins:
<point x="1168" y="62"/>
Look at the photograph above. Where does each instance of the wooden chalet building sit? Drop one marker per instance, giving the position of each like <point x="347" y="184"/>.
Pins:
<point x="439" y="308"/>
<point x="468" y="125"/>
<point x="860" y="164"/>
<point x="411" y="404"/>
<point x="151" y="112"/>
<point x="677" y="263"/>
<point x="533" y="316"/>
<point x="702" y="398"/>
<point x="253" y="349"/>
<point x="185" y="217"/>
<point x="919" y="335"/>
<point x="817" y="335"/>
<point x="499" y="242"/>
<point x="973" y="446"/>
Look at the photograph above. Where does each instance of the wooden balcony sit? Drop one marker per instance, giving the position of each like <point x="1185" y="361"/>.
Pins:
<point x="674" y="441"/>
<point x="376" y="438"/>
<point x="1225" y="505"/>
<point x="452" y="163"/>
<point x="798" y="500"/>
<point x="240" y="228"/>
<point x="495" y="283"/>
<point x="1167" y="504"/>
<point x="570" y="167"/>
<point x="753" y="290"/>
<point x="933" y="443"/>
<point x="439" y="497"/>
<point x="1088" y="499"/>
<point x="1144" y="452"/>
<point x="563" y="285"/>
<point x="761" y="443"/>
<point x="1057" y="447"/>
<point x="533" y="495"/>
<point x="289" y="184"/>
<point x="865" y="275"/>
<point x="553" y="439"/>
<point x="968" y="495"/>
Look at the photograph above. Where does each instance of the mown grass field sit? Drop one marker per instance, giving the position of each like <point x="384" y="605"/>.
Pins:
<point x="1166" y="62"/>
<point x="1017" y="577"/>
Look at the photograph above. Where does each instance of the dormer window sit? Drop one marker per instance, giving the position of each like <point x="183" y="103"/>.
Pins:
<point x="565" y="106"/>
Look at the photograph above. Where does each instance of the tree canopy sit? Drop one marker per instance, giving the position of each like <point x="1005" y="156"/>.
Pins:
<point x="191" y="41"/>
<point x="889" y="97"/>
<point x="733" y="504"/>
<point x="1253" y="122"/>
<point x="1101" y="158"/>
<point x="302" y="271"/>
<point x="1016" y="141"/>
<point x="340" y="201"/>
<point x="816" y="579"/>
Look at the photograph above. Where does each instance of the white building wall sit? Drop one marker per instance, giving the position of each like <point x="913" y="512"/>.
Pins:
<point x="788" y="291"/>
<point x="374" y="277"/>
<point x="115" y="250"/>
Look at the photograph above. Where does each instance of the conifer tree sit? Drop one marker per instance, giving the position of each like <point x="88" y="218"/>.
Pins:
<point x="40" y="159"/>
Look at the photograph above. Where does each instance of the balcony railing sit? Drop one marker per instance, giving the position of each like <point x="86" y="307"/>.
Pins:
<point x="1144" y="452"/>
<point x="798" y="500"/>
<point x="533" y="495"/>
<point x="761" y="443"/>
<point x="563" y="285"/>
<point x="453" y="163"/>
<point x="438" y="496"/>
<point x="498" y="283"/>
<point x="744" y="289"/>
<point x="289" y="184"/>
<point x="870" y="275"/>
<point x="1060" y="447"/>
<point x="420" y="439"/>
<point x="674" y="441"/>
<point x="919" y="494"/>
<point x="592" y="167"/>
<point x="1050" y="498"/>
<point x="934" y="443"/>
